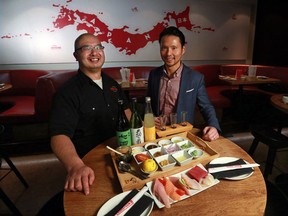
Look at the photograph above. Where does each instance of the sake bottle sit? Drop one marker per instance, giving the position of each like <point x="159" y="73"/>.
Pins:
<point x="123" y="132"/>
<point x="136" y="125"/>
<point x="149" y="123"/>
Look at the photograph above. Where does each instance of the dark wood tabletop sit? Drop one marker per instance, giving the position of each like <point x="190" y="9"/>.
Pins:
<point x="277" y="102"/>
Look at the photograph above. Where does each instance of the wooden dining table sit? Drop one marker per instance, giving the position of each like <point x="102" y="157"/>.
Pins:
<point x="246" y="80"/>
<point x="228" y="197"/>
<point x="277" y="102"/>
<point x="5" y="87"/>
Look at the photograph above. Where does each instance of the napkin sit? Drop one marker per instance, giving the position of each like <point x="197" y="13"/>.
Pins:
<point x="137" y="209"/>
<point x="230" y="173"/>
<point x="126" y="199"/>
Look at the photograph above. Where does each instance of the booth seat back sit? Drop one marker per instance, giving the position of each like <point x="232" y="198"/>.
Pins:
<point x="23" y="81"/>
<point x="211" y="73"/>
<point x="45" y="88"/>
<point x="139" y="71"/>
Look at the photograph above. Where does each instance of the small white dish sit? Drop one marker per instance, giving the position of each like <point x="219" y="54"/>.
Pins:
<point x="151" y="145"/>
<point x="195" y="153"/>
<point x="170" y="149"/>
<point x="177" y="139"/>
<point x="165" y="162"/>
<point x="137" y="149"/>
<point x="186" y="144"/>
<point x="142" y="153"/>
<point x="182" y="157"/>
<point x="156" y="152"/>
<point x="164" y="142"/>
<point x="156" y="168"/>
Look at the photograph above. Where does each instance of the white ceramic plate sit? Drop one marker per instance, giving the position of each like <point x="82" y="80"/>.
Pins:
<point x="111" y="203"/>
<point x="192" y="192"/>
<point x="223" y="160"/>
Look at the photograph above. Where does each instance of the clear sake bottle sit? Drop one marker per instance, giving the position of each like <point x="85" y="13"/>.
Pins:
<point x="123" y="132"/>
<point x="136" y="125"/>
<point x="149" y="123"/>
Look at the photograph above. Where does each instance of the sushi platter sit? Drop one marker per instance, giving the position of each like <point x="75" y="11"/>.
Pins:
<point x="185" y="145"/>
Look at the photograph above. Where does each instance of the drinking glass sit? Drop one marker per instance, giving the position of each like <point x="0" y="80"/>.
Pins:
<point x="183" y="118"/>
<point x="173" y="120"/>
<point x="163" y="120"/>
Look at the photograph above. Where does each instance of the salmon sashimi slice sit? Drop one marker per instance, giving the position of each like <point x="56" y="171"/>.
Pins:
<point x="171" y="190"/>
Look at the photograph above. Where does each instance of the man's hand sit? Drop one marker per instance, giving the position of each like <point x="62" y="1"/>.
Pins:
<point x="79" y="178"/>
<point x="210" y="133"/>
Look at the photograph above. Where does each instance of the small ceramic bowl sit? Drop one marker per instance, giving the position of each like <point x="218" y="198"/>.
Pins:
<point x="186" y="144"/>
<point x="141" y="155"/>
<point x="150" y="172"/>
<point x="165" y="162"/>
<point x="170" y="149"/>
<point x="177" y="139"/>
<point x="195" y="153"/>
<point x="164" y="142"/>
<point x="182" y="157"/>
<point x="151" y="145"/>
<point x="156" y="152"/>
<point x="127" y="154"/>
<point x="285" y="99"/>
<point x="137" y="149"/>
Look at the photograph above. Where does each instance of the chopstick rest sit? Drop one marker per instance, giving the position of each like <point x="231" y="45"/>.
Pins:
<point x="230" y="173"/>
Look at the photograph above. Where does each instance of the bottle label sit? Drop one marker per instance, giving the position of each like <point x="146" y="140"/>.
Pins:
<point x="124" y="138"/>
<point x="150" y="133"/>
<point x="137" y="135"/>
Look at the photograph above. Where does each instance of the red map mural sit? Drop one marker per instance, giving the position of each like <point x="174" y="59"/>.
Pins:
<point x="126" y="42"/>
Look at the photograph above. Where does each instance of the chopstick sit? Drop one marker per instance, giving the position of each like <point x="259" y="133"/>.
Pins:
<point x="117" y="152"/>
<point x="232" y="167"/>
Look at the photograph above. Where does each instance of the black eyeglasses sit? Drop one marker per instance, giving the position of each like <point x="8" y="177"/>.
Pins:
<point x="89" y="48"/>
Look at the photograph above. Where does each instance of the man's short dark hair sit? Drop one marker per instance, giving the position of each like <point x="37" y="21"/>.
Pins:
<point x="172" y="30"/>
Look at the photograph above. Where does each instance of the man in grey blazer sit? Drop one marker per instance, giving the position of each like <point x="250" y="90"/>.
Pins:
<point x="174" y="87"/>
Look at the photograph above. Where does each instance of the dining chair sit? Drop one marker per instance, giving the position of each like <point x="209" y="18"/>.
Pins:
<point x="11" y="168"/>
<point x="275" y="141"/>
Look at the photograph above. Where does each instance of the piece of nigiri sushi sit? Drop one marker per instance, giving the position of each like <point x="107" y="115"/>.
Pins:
<point x="189" y="182"/>
<point x="208" y="180"/>
<point x="160" y="193"/>
<point x="176" y="181"/>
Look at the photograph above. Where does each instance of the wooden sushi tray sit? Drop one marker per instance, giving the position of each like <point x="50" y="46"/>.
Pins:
<point x="129" y="181"/>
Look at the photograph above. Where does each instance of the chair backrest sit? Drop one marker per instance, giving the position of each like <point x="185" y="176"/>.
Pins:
<point x="45" y="89"/>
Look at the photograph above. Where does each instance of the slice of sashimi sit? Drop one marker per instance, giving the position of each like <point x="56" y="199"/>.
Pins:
<point x="190" y="182"/>
<point x="176" y="181"/>
<point x="197" y="173"/>
<point x="208" y="180"/>
<point x="159" y="191"/>
<point x="171" y="190"/>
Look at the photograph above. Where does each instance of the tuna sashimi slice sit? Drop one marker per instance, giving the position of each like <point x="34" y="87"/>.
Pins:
<point x="197" y="173"/>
